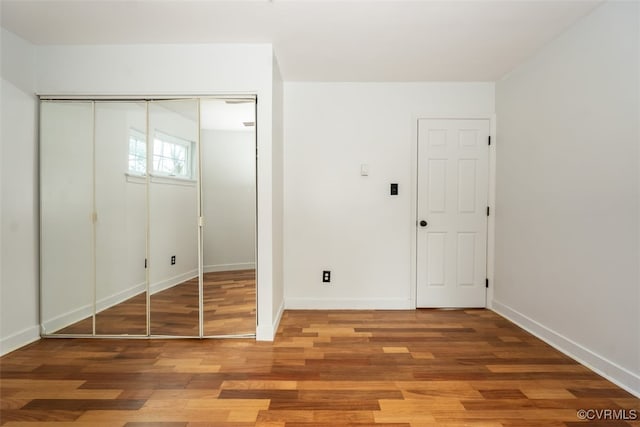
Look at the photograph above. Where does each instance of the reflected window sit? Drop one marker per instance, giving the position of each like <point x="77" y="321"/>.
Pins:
<point x="137" y="152"/>
<point x="172" y="155"/>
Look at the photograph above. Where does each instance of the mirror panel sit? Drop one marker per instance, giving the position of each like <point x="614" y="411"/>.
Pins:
<point x="122" y="251"/>
<point x="121" y="217"/>
<point x="173" y="218"/>
<point x="66" y="215"/>
<point x="228" y="199"/>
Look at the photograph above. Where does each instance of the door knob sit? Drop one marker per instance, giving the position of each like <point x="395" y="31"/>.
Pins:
<point x="423" y="223"/>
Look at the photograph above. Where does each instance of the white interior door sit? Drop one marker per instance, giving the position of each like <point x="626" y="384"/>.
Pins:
<point x="453" y="170"/>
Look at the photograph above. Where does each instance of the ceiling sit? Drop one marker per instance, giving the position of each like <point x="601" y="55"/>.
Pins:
<point x="356" y="40"/>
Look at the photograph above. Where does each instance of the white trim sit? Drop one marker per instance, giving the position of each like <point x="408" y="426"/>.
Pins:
<point x="172" y="180"/>
<point x="229" y="267"/>
<point x="135" y="178"/>
<point x="491" y="223"/>
<point x="348" y="304"/>
<point x="169" y="96"/>
<point x="268" y="332"/>
<point x="19" y="339"/>
<point x="615" y="373"/>
<point x="491" y="117"/>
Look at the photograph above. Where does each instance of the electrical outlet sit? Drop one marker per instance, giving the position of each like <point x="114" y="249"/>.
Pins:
<point x="326" y="276"/>
<point x="173" y="260"/>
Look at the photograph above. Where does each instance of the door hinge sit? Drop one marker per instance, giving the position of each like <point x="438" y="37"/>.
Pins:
<point x="488" y="210"/>
<point x="489" y="140"/>
<point x="145" y="263"/>
<point x="486" y="283"/>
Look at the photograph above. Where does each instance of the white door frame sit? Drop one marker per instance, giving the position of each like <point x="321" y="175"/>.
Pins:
<point x="413" y="223"/>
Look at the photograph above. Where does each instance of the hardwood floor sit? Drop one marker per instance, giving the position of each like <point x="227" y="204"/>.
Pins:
<point x="229" y="299"/>
<point x="393" y="368"/>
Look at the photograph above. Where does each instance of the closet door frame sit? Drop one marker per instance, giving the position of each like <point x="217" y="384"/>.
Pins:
<point x="200" y="218"/>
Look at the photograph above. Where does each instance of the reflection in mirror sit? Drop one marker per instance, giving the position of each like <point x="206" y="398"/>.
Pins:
<point x="66" y="212"/>
<point x="173" y="212"/>
<point x="121" y="216"/>
<point x="228" y="198"/>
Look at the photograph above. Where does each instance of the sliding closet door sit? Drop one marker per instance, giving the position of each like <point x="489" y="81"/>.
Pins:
<point x="67" y="214"/>
<point x="228" y="194"/>
<point x="121" y="217"/>
<point x="173" y="218"/>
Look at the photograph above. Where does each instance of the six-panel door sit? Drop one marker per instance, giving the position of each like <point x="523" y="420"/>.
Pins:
<point x="452" y="212"/>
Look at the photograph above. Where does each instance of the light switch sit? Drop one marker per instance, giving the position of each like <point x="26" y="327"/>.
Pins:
<point x="364" y="169"/>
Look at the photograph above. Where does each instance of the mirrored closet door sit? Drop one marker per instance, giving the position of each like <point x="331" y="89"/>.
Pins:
<point x="227" y="147"/>
<point x="173" y="218"/>
<point x="67" y="267"/>
<point x="148" y="217"/>
<point x="120" y="219"/>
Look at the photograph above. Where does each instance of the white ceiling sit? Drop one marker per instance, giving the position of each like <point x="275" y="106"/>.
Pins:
<point x="355" y="40"/>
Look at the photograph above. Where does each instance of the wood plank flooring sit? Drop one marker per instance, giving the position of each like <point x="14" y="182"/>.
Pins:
<point x="229" y="300"/>
<point x="392" y="368"/>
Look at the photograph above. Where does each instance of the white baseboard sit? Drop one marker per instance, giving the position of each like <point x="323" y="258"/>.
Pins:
<point x="19" y="339"/>
<point x="268" y="332"/>
<point x="229" y="267"/>
<point x="349" y="304"/>
<point x="597" y="363"/>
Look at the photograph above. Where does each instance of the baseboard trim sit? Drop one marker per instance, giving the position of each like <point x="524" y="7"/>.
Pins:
<point x="618" y="375"/>
<point x="268" y="332"/>
<point x="229" y="267"/>
<point x="349" y="304"/>
<point x="19" y="339"/>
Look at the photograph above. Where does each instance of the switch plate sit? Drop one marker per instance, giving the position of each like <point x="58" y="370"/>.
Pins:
<point x="394" y="189"/>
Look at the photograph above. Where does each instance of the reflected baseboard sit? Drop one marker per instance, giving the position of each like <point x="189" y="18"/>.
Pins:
<point x="115" y="299"/>
<point x="72" y="316"/>
<point x="229" y="267"/>
<point x="172" y="281"/>
<point x="51" y="326"/>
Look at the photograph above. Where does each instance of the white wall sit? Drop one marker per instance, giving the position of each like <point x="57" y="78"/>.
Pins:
<point x="567" y="214"/>
<point x="18" y="213"/>
<point x="335" y="219"/>
<point x="228" y="199"/>
<point x="278" y="196"/>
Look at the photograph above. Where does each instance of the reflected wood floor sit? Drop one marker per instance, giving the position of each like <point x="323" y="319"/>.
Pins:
<point x="392" y="368"/>
<point x="229" y="302"/>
